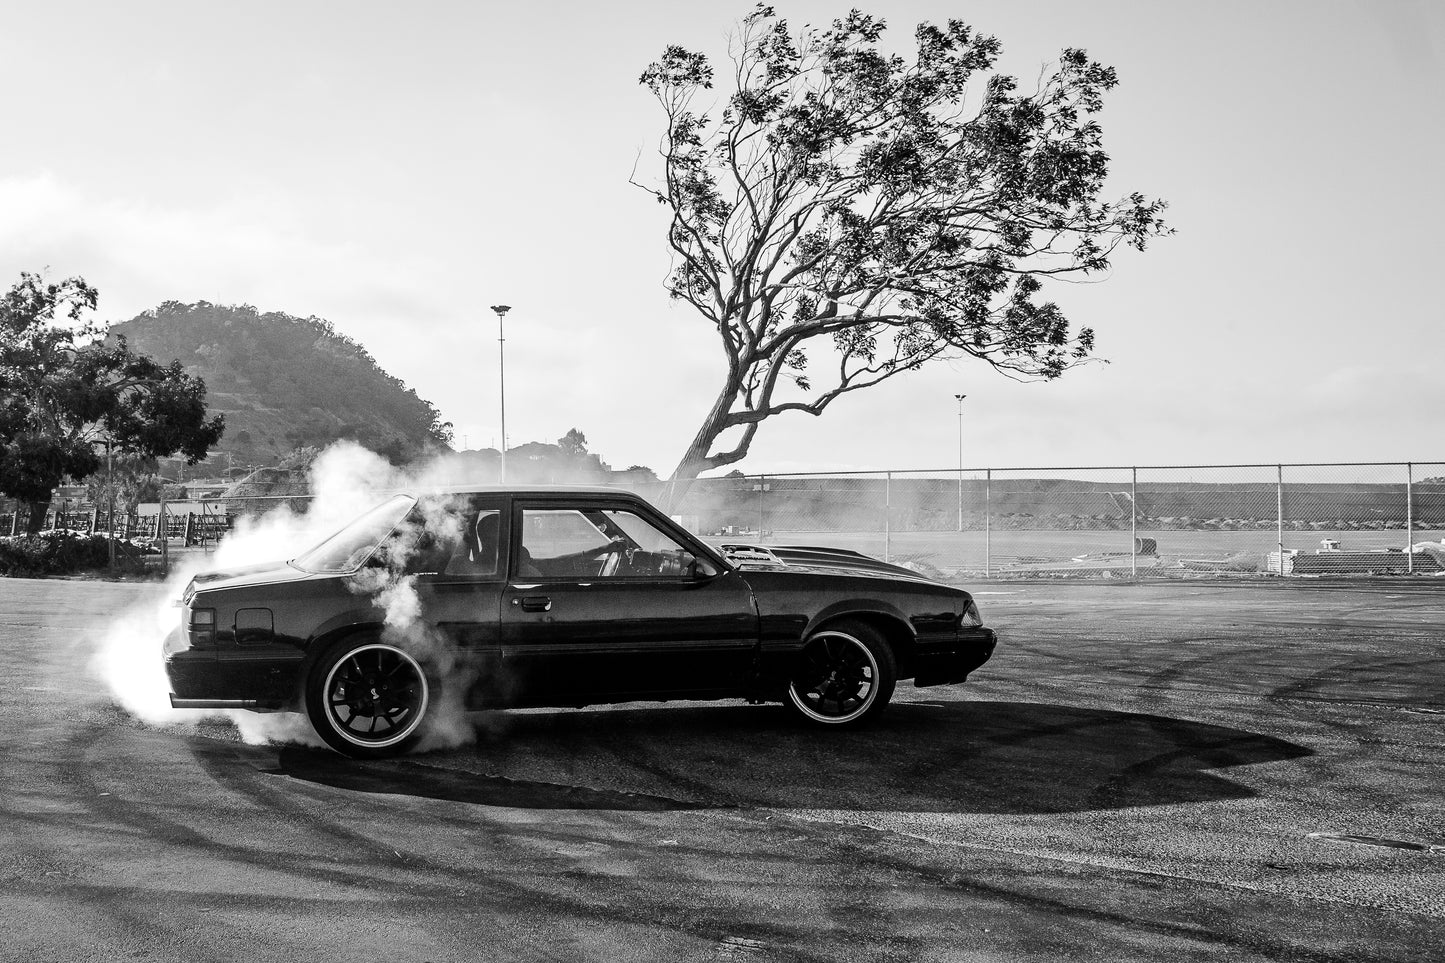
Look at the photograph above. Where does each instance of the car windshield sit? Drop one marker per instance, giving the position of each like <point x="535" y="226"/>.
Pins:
<point x="349" y="548"/>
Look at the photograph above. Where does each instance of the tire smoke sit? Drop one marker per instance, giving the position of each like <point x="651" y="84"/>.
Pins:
<point x="345" y="480"/>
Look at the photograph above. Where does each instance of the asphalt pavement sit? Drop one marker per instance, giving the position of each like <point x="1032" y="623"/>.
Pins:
<point x="1196" y="770"/>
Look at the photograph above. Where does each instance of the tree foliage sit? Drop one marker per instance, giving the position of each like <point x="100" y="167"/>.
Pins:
<point x="851" y="214"/>
<point x="573" y="444"/>
<point x="131" y="479"/>
<point x="65" y="390"/>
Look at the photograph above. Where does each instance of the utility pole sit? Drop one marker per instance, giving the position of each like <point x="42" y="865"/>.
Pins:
<point x="960" y="460"/>
<point x="501" y="311"/>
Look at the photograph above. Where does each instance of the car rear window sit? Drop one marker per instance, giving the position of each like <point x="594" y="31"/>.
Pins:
<point x="348" y="549"/>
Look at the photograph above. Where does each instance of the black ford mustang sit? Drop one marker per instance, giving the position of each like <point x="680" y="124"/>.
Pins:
<point x="556" y="597"/>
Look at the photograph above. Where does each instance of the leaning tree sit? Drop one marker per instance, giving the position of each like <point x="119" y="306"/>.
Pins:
<point x="851" y="214"/>
<point x="65" y="391"/>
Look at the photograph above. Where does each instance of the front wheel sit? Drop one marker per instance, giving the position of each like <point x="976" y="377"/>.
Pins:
<point x="844" y="677"/>
<point x="368" y="699"/>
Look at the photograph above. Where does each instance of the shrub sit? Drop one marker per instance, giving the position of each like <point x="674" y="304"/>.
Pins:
<point x="61" y="553"/>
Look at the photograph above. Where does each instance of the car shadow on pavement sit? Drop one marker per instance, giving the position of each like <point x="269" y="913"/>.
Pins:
<point x="983" y="757"/>
<point x="400" y="777"/>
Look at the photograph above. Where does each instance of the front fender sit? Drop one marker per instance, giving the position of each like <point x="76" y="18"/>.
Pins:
<point x="343" y="623"/>
<point x="859" y="607"/>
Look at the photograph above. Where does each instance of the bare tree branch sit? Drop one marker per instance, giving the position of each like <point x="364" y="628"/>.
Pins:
<point x="880" y="210"/>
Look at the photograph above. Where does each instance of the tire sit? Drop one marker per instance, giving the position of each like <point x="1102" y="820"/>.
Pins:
<point x="369" y="699"/>
<point x="844" y="677"/>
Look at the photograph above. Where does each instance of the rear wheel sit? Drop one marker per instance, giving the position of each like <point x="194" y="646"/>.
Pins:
<point x="369" y="699"/>
<point x="844" y="677"/>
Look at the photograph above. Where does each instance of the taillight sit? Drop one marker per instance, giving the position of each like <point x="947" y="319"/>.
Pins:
<point x="202" y="626"/>
<point x="970" y="614"/>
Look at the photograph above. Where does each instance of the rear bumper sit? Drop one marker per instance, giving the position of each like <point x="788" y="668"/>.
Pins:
<point x="951" y="662"/>
<point x="214" y="678"/>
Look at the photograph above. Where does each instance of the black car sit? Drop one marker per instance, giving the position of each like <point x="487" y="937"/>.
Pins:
<point x="556" y="597"/>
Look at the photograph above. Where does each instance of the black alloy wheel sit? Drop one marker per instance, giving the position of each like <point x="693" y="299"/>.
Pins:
<point x="369" y="699"/>
<point x="844" y="677"/>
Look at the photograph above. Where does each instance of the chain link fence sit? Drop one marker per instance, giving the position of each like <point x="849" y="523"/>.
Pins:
<point x="1087" y="522"/>
<point x="1092" y="522"/>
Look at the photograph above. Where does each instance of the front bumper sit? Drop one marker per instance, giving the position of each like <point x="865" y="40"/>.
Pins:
<point x="950" y="662"/>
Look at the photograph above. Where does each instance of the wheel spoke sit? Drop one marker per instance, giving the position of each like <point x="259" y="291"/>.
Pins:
<point x="375" y="696"/>
<point x="836" y="678"/>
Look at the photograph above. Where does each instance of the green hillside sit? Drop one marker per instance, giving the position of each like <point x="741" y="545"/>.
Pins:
<point x="284" y="382"/>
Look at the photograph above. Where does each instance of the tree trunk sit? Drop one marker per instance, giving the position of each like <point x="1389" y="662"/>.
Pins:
<point x="692" y="464"/>
<point x="38" y="507"/>
<point x="694" y="459"/>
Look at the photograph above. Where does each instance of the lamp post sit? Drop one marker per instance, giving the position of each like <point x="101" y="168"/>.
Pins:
<point x="960" y="460"/>
<point x="501" y="310"/>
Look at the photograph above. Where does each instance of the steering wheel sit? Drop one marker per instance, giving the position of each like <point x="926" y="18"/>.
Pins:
<point x="616" y="552"/>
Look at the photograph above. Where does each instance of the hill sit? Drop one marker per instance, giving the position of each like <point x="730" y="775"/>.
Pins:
<point x="285" y="382"/>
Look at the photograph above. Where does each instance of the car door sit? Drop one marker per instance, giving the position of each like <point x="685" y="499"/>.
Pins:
<point x="600" y="605"/>
<point x="459" y="586"/>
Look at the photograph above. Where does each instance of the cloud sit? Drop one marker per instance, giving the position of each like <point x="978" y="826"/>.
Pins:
<point x="241" y="249"/>
<point x="415" y="304"/>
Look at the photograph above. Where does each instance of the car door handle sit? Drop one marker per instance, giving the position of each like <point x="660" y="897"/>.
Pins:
<point x="533" y="603"/>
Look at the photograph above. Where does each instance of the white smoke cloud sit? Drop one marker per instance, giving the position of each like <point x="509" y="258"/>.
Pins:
<point x="346" y="480"/>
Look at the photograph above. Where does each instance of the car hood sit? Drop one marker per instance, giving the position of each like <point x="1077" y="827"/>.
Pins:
<point x="815" y="560"/>
<point x="241" y="576"/>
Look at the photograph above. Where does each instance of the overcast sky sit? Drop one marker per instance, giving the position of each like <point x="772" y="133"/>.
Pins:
<point x="396" y="168"/>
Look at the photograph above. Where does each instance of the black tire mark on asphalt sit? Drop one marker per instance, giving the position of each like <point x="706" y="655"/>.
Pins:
<point x="511" y="892"/>
<point x="1342" y="671"/>
<point x="426" y="901"/>
<point x="1273" y="949"/>
<point x="1165" y="677"/>
<point x="138" y="926"/>
<point x="847" y="912"/>
<point x="150" y="824"/>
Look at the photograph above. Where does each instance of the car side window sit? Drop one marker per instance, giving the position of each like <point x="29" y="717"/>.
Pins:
<point x="597" y="543"/>
<point x="644" y="535"/>
<point x="476" y="554"/>
<point x="560" y="542"/>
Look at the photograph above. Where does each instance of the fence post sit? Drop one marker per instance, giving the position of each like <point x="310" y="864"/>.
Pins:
<point x="762" y="506"/>
<point x="1409" y="518"/>
<point x="888" y="516"/>
<point x="1134" y="522"/>
<point x="163" y="532"/>
<point x="987" y="522"/>
<point x="1279" y="514"/>
<point x="960" y="492"/>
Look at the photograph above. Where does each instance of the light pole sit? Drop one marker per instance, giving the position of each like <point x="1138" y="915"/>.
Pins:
<point x="501" y="310"/>
<point x="960" y="460"/>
